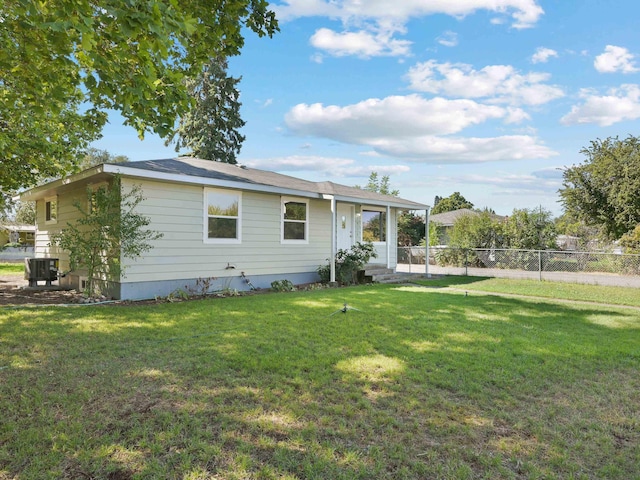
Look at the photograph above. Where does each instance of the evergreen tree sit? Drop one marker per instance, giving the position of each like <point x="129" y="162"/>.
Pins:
<point x="379" y="185"/>
<point x="210" y="130"/>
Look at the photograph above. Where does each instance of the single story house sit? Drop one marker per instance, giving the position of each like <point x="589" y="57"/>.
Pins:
<point x="17" y="233"/>
<point x="225" y="221"/>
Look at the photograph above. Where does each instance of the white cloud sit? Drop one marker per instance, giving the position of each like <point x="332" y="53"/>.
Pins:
<point x="376" y="21"/>
<point x="615" y="59"/>
<point x="332" y="166"/>
<point x="619" y="105"/>
<point x="524" y="13"/>
<point x="457" y="150"/>
<point x="543" y="55"/>
<point x="499" y="83"/>
<point x="394" y="117"/>
<point x="502" y="183"/>
<point x="416" y="128"/>
<point x="448" y="39"/>
<point x="362" y="44"/>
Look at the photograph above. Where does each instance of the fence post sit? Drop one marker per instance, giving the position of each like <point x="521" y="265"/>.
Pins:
<point x="540" y="264"/>
<point x="410" y="255"/>
<point x="466" y="262"/>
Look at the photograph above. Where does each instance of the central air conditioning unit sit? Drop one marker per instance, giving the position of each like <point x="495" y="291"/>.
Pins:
<point x="41" y="269"/>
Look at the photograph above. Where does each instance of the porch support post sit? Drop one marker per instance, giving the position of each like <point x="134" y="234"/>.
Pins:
<point x="334" y="239"/>
<point x="389" y="236"/>
<point x="426" y="238"/>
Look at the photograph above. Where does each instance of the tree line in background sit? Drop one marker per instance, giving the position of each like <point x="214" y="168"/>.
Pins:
<point x="601" y="199"/>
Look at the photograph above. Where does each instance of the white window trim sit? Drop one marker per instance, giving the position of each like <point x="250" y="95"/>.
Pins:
<point x="386" y="230"/>
<point x="205" y="220"/>
<point x="51" y="221"/>
<point x="284" y="241"/>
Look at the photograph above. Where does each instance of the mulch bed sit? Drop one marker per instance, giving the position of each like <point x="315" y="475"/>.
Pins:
<point x="14" y="291"/>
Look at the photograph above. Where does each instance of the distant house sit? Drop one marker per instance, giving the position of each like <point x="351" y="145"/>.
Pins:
<point x="225" y="221"/>
<point x="446" y="221"/>
<point x="568" y="242"/>
<point x="16" y="233"/>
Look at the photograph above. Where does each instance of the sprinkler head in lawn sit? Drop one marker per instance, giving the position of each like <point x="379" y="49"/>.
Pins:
<point x="345" y="309"/>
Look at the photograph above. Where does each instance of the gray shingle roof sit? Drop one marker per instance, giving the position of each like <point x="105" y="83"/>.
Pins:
<point x="195" y="167"/>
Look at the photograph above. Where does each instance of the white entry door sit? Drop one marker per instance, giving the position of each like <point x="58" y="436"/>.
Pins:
<point x="345" y="227"/>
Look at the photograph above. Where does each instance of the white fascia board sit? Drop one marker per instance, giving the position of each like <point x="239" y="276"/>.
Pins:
<point x="382" y="203"/>
<point x="45" y="190"/>
<point x="208" y="182"/>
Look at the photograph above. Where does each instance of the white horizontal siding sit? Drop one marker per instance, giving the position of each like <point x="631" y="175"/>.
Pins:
<point x="67" y="213"/>
<point x="178" y="212"/>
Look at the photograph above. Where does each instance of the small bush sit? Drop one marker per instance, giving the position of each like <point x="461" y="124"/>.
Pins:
<point x="348" y="263"/>
<point x="283" y="286"/>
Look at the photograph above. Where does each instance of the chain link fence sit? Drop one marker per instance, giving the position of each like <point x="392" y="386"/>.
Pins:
<point x="583" y="267"/>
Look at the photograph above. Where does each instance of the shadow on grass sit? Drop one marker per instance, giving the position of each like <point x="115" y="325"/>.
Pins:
<point x="417" y="383"/>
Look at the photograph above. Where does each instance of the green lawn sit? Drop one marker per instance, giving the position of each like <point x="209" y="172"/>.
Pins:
<point x="552" y="290"/>
<point x="418" y="383"/>
<point x="11" y="268"/>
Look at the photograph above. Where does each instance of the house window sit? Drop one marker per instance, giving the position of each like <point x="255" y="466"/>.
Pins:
<point x="374" y="226"/>
<point x="222" y="216"/>
<point x="51" y="210"/>
<point x="295" y="224"/>
<point x="27" y="238"/>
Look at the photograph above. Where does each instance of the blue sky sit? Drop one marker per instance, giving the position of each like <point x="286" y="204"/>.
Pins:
<point x="490" y="98"/>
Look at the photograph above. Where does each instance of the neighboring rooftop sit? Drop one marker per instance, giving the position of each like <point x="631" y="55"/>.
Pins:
<point x="447" y="219"/>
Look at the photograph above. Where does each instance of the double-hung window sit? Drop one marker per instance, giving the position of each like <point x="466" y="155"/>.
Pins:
<point x="374" y="226"/>
<point x="222" y="216"/>
<point x="295" y="220"/>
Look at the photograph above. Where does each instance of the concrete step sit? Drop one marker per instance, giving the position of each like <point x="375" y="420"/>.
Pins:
<point x="373" y="269"/>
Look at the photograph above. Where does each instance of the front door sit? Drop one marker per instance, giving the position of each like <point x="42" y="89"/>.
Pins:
<point x="344" y="217"/>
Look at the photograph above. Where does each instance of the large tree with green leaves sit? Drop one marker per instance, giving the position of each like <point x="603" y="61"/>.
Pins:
<point x="603" y="191"/>
<point x="210" y="130"/>
<point x="65" y="64"/>
<point x="529" y="229"/>
<point x="476" y="231"/>
<point x="95" y="156"/>
<point x="455" y="201"/>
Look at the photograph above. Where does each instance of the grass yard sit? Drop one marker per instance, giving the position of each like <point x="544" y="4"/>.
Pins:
<point x="418" y="383"/>
<point x="553" y="290"/>
<point x="10" y="268"/>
